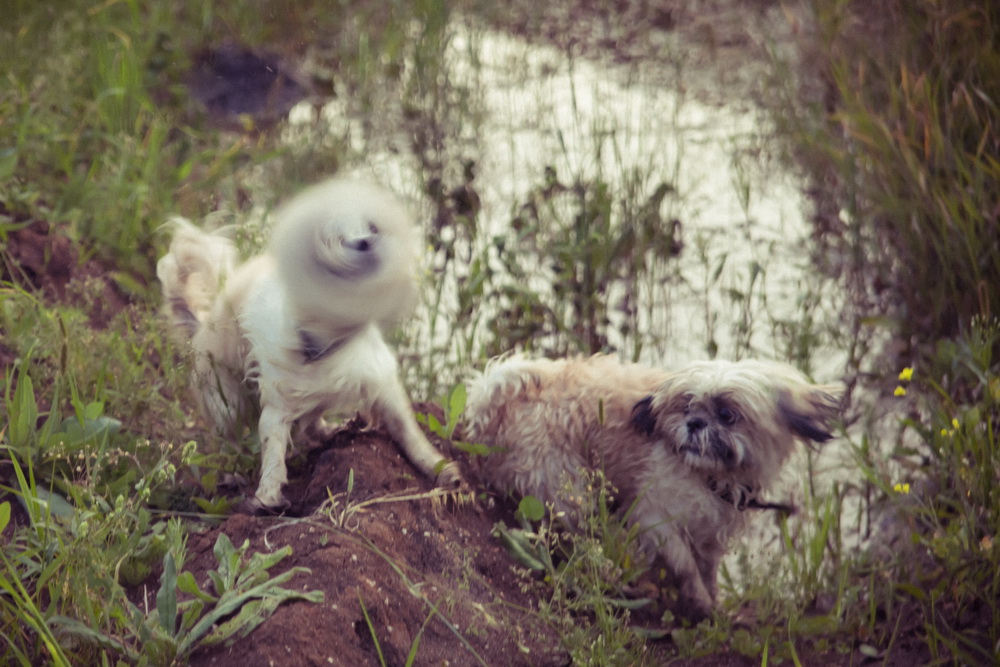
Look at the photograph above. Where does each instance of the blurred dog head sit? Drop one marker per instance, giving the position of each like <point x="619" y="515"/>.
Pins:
<point x="348" y="253"/>
<point x="737" y="417"/>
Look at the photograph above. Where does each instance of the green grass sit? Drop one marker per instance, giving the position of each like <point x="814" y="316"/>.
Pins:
<point x="901" y="140"/>
<point x="98" y="138"/>
<point x="582" y="573"/>
<point x="902" y="135"/>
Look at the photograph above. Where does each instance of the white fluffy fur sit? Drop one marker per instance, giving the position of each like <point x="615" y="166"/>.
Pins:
<point x="687" y="450"/>
<point x="297" y="328"/>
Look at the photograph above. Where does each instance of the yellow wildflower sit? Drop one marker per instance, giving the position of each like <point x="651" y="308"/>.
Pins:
<point x="900" y="391"/>
<point x="903" y="487"/>
<point x="906" y="374"/>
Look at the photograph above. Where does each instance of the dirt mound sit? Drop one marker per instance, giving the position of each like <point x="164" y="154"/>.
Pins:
<point x="431" y="576"/>
<point x="428" y="572"/>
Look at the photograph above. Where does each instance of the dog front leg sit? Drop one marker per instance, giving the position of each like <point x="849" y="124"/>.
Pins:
<point x="674" y="548"/>
<point x="393" y="409"/>
<point x="695" y="598"/>
<point x="274" y="431"/>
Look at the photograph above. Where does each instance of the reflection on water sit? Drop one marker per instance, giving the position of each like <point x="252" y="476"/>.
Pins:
<point x="528" y="109"/>
<point x="519" y="116"/>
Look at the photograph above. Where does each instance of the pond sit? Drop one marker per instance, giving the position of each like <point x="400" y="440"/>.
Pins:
<point x="545" y="144"/>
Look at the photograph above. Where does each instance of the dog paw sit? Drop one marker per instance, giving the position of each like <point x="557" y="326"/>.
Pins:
<point x="254" y="506"/>
<point x="320" y="432"/>
<point x="450" y="477"/>
<point x="694" y="611"/>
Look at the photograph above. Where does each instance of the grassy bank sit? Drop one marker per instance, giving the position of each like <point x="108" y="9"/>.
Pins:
<point x="898" y="134"/>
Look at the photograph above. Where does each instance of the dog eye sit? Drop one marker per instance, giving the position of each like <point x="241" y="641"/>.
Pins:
<point x="372" y="228"/>
<point x="727" y="416"/>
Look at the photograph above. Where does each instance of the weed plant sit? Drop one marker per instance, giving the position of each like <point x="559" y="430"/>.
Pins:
<point x="902" y="143"/>
<point x="582" y="572"/>
<point x="939" y="570"/>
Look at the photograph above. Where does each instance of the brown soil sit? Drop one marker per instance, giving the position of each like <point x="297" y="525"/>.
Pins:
<point x="403" y="558"/>
<point x="40" y="257"/>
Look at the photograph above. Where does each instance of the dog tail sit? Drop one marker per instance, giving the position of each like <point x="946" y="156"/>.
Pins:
<point x="505" y="378"/>
<point x="192" y="273"/>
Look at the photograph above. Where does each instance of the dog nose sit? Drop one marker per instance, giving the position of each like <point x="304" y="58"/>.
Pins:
<point x="695" y="424"/>
<point x="360" y="244"/>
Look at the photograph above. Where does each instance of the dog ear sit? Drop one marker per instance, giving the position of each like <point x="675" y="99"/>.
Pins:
<point x="808" y="413"/>
<point x="643" y="419"/>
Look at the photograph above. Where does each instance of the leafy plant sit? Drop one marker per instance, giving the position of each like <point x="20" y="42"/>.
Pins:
<point x="77" y="552"/>
<point x="243" y="594"/>
<point x="20" y="614"/>
<point x="453" y="406"/>
<point x="582" y="572"/>
<point x="958" y="524"/>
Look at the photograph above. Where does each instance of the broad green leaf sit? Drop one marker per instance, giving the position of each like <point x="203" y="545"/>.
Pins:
<point x="76" y="628"/>
<point x="229" y="560"/>
<point x="218" y="582"/>
<point x="519" y="547"/>
<point x="43" y="500"/>
<point x="253" y="613"/>
<point x="166" y="597"/>
<point x="915" y="591"/>
<point x="232" y="602"/>
<point x="191" y="615"/>
<point x="261" y="561"/>
<point x="73" y="433"/>
<point x="209" y="481"/>
<point x="531" y="508"/>
<point x="456" y="402"/>
<point x="93" y="410"/>
<point x="254" y="571"/>
<point x="26" y="414"/>
<point x="186" y="583"/>
<point x="456" y="406"/>
<point x="434" y="424"/>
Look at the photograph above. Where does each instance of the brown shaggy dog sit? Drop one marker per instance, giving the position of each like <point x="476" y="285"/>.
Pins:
<point x="687" y="450"/>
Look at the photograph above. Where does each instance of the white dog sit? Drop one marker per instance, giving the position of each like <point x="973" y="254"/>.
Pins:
<point x="687" y="450"/>
<point x="297" y="328"/>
